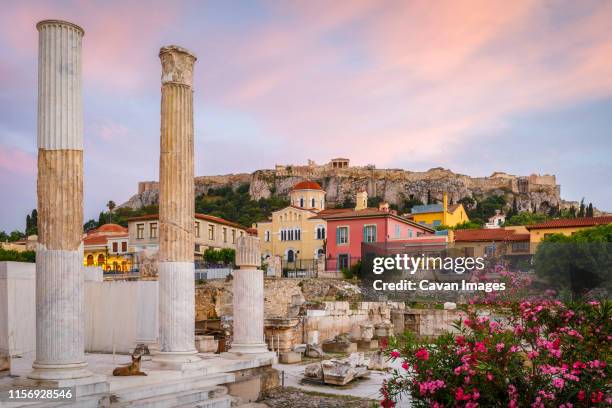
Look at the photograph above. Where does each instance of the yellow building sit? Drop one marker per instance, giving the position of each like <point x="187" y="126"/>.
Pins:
<point x="107" y="247"/>
<point x="434" y="215"/>
<point x="292" y="233"/>
<point x="565" y="226"/>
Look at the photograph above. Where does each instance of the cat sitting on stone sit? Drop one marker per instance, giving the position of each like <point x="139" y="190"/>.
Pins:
<point x="131" y="369"/>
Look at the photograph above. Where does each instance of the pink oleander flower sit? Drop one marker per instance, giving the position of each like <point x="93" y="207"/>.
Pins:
<point x="405" y="365"/>
<point x="422" y="354"/>
<point x="558" y="383"/>
<point x="597" y="397"/>
<point x="500" y="347"/>
<point x="480" y="346"/>
<point x="395" y="354"/>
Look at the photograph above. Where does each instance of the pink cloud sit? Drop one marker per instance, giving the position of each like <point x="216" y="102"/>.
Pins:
<point x="17" y="162"/>
<point x="121" y="40"/>
<point x="436" y="72"/>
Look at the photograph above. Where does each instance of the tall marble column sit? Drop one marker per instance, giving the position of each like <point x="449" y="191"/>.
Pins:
<point x="176" y="208"/>
<point x="248" y="299"/>
<point x="60" y="336"/>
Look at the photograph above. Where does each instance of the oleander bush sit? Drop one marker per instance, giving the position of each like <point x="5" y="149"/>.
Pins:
<point x="541" y="353"/>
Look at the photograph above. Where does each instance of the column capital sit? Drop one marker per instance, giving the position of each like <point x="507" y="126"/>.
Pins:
<point x="60" y="23"/>
<point x="177" y="65"/>
<point x="248" y="253"/>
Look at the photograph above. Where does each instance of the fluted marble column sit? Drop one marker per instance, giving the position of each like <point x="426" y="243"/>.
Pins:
<point x="59" y="255"/>
<point x="248" y="299"/>
<point x="176" y="208"/>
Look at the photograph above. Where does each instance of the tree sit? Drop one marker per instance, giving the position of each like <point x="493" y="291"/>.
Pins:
<point x="16" y="235"/>
<point x="589" y="210"/>
<point x="467" y="202"/>
<point x="526" y="218"/>
<point x="407" y="205"/>
<point x="101" y="219"/>
<point x="581" y="211"/>
<point x="111" y="206"/>
<point x="89" y="225"/>
<point x="580" y="262"/>
<point x="32" y="223"/>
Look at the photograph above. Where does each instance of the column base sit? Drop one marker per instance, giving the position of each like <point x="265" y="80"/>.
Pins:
<point x="249" y="348"/>
<point x="177" y="360"/>
<point x="59" y="371"/>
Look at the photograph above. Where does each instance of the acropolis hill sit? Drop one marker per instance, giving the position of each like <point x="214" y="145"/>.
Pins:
<point x="341" y="180"/>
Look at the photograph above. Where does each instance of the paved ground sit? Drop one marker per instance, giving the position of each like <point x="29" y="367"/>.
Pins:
<point x="364" y="388"/>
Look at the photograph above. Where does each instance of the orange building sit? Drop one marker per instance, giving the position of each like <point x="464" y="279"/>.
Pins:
<point x="107" y="247"/>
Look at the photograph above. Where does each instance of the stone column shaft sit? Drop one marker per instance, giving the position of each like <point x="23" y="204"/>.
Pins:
<point x="176" y="206"/>
<point x="248" y="289"/>
<point x="60" y="335"/>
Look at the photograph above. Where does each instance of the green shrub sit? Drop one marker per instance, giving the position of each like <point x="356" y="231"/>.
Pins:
<point x="15" y="256"/>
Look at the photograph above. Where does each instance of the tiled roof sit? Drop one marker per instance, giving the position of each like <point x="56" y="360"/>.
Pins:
<point x="111" y="228"/>
<point x="95" y="240"/>
<point x="369" y="213"/>
<point x="307" y="185"/>
<point x="328" y="211"/>
<point x="493" y="234"/>
<point x="573" y="222"/>
<point x="426" y="208"/>
<point x="199" y="216"/>
<point x="432" y="208"/>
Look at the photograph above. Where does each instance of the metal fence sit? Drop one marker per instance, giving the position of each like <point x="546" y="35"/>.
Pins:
<point x="300" y="268"/>
<point x="210" y="274"/>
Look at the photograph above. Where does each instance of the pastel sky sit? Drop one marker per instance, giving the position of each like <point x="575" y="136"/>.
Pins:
<point x="474" y="86"/>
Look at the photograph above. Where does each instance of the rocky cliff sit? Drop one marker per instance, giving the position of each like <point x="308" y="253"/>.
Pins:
<point x="392" y="185"/>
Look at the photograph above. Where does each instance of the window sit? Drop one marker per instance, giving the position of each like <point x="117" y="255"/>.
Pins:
<point x="101" y="259"/>
<point x="124" y="246"/>
<point x="233" y="236"/>
<point x="343" y="261"/>
<point x="298" y="234"/>
<point x="312" y="202"/>
<point x="369" y="233"/>
<point x="398" y="231"/>
<point x="197" y="229"/>
<point x="301" y="201"/>
<point x="320" y="232"/>
<point x="153" y="230"/>
<point x="115" y="247"/>
<point x="211" y="232"/>
<point x="437" y="222"/>
<point x="490" y="250"/>
<point x="224" y="234"/>
<point x="90" y="260"/>
<point x="520" y="247"/>
<point x="290" y="256"/>
<point x="266" y="236"/>
<point x="409" y="233"/>
<point x="139" y="231"/>
<point x="342" y="235"/>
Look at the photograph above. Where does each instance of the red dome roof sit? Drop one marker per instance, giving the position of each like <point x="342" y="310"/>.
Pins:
<point x="111" y="228"/>
<point x="307" y="185"/>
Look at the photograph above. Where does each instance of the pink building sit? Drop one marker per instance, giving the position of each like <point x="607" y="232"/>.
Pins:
<point x="347" y="230"/>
